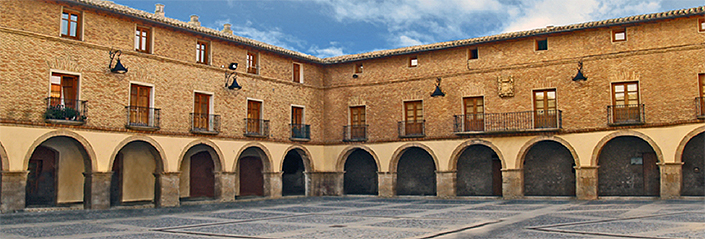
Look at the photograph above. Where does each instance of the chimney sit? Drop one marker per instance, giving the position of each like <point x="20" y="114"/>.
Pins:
<point x="194" y="20"/>
<point x="159" y="10"/>
<point x="227" y="29"/>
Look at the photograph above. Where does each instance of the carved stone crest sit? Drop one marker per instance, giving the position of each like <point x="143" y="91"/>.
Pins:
<point x="505" y="86"/>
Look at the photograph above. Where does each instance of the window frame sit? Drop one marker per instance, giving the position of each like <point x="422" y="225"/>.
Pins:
<point x="148" y="39"/>
<point x="473" y="54"/>
<point x="78" y="22"/>
<point x="626" y="91"/>
<point x="203" y="49"/>
<point x="303" y="114"/>
<point x="416" y="116"/>
<point x="701" y="25"/>
<point x="350" y="114"/>
<point x="58" y="73"/>
<point x="537" y="45"/>
<point x="619" y="31"/>
<point x="359" y="68"/>
<point x="300" y="74"/>
<point x="413" y="61"/>
<point x="252" y="63"/>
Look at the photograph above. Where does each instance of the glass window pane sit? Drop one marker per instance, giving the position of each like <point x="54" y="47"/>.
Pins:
<point x="551" y="94"/>
<point x="74" y="17"/>
<point x="633" y="96"/>
<point x="72" y="32"/>
<point x="631" y="87"/>
<point x="619" y="96"/>
<point x="64" y="27"/>
<point x="539" y="104"/>
<point x="538" y="95"/>
<point x="619" y="88"/>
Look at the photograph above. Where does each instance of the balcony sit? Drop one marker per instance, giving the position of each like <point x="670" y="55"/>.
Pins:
<point x="700" y="107"/>
<point x="355" y="133"/>
<point x="65" y="111"/>
<point x="142" y="118"/>
<point x="411" y="129"/>
<point x="205" y="123"/>
<point x="257" y="128"/>
<point x="300" y="132"/>
<point x="525" y="121"/>
<point x="618" y="115"/>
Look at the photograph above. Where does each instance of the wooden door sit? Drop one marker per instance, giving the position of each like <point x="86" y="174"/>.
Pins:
<point x="625" y="100"/>
<point x="41" y="180"/>
<point x="357" y="122"/>
<point x="140" y="104"/>
<point x="116" y="181"/>
<point x="201" y="111"/>
<point x="701" y="101"/>
<point x="297" y="115"/>
<point x="251" y="177"/>
<point x="414" y="117"/>
<point x="474" y="114"/>
<point x="496" y="176"/>
<point x="652" y="183"/>
<point x="545" y="113"/>
<point x="297" y="73"/>
<point x="201" y="179"/>
<point x="254" y="110"/>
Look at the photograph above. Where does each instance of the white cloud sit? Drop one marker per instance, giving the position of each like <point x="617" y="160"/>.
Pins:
<point x="331" y="51"/>
<point x="273" y="36"/>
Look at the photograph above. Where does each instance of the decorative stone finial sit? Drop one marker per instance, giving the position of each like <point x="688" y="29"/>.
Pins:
<point x="227" y="28"/>
<point x="194" y="20"/>
<point x="159" y="9"/>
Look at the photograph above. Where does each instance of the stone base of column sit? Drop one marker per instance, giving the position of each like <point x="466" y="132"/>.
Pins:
<point x="13" y="190"/>
<point x="324" y="184"/>
<point x="387" y="184"/>
<point x="273" y="184"/>
<point x="586" y="182"/>
<point x="446" y="184"/>
<point x="96" y="191"/>
<point x="225" y="183"/>
<point x="167" y="189"/>
<point x="671" y="179"/>
<point x="512" y="183"/>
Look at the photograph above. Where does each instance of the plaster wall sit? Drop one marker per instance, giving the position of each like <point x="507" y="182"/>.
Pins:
<point x="139" y="166"/>
<point x="71" y="167"/>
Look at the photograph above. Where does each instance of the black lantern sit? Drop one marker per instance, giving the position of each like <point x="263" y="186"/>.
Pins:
<point x="580" y="75"/>
<point x="118" y="68"/>
<point x="232" y="85"/>
<point x="438" y="91"/>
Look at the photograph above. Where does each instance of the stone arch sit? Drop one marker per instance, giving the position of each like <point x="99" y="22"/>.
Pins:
<point x="162" y="163"/>
<point x="642" y="136"/>
<point x="685" y="140"/>
<point x="400" y="151"/>
<point x="453" y="164"/>
<point x="218" y="163"/>
<point x="4" y="161"/>
<point x="62" y="133"/>
<point x="689" y="159"/>
<point x="305" y="156"/>
<point x="340" y="166"/>
<point x="267" y="161"/>
<point x="524" y="149"/>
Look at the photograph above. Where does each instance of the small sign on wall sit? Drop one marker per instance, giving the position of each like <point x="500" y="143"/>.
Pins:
<point x="637" y="161"/>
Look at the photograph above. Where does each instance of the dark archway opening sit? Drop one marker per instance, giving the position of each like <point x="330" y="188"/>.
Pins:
<point x="293" y="178"/>
<point x="693" y="165"/>
<point x="360" y="173"/>
<point x="479" y="172"/>
<point x="549" y="170"/>
<point x="41" y="179"/>
<point x="628" y="168"/>
<point x="416" y="173"/>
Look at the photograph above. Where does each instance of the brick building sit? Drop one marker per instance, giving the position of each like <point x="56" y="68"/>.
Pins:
<point x="510" y="117"/>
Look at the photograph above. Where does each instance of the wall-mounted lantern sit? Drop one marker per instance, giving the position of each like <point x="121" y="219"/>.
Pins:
<point x="118" y="68"/>
<point x="580" y="75"/>
<point x="438" y="91"/>
<point x="232" y="85"/>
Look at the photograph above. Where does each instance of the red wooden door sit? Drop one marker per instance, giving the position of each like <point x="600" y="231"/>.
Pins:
<point x="116" y="181"/>
<point x="201" y="180"/>
<point x="496" y="177"/>
<point x="41" y="180"/>
<point x="251" y="178"/>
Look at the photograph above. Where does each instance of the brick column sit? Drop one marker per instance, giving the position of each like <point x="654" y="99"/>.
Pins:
<point x="586" y="182"/>
<point x="324" y="183"/>
<point x="445" y="184"/>
<point x="387" y="184"/>
<point x="225" y="186"/>
<point x="167" y="189"/>
<point x="671" y="179"/>
<point x="512" y="183"/>
<point x="273" y="184"/>
<point x="96" y="191"/>
<point x="13" y="190"/>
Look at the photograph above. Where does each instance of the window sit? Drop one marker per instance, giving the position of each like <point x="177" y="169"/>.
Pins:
<point x="143" y="39"/>
<point x="625" y="102"/>
<point x="474" y="114"/>
<point x="254" y="113"/>
<point x="413" y="61"/>
<point x="64" y="90"/>
<point x="71" y="24"/>
<point x="358" y="127"/>
<point x="252" y="63"/>
<point x="297" y="115"/>
<point x="619" y="35"/>
<point x="701" y="100"/>
<point x="413" y="114"/>
<point x="472" y="54"/>
<point x="140" y="104"/>
<point x="202" y="52"/>
<point x="358" y="68"/>
<point x="542" y="44"/>
<point x="545" y="113"/>
<point x="201" y="111"/>
<point x="701" y="24"/>
<point x="298" y="73"/>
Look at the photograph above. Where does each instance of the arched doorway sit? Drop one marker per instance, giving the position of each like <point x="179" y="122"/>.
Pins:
<point x="693" y="165"/>
<point x="627" y="167"/>
<point x="134" y="169"/>
<point x="416" y="173"/>
<point x="198" y="167"/>
<point x="360" y="173"/>
<point x="56" y="168"/>
<point x="251" y="166"/>
<point x="293" y="177"/>
<point x="479" y="172"/>
<point x="549" y="170"/>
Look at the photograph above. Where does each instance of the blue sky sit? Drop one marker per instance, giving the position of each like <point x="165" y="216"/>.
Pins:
<point x="327" y="28"/>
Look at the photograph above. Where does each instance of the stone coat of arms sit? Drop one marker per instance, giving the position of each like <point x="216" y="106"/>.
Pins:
<point x="505" y="86"/>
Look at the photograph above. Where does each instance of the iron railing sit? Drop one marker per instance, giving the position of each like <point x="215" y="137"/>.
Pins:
<point x="65" y="109"/>
<point x="700" y="107"/>
<point x="256" y="127"/>
<point x="205" y="123"/>
<point x="300" y="131"/>
<point x="352" y="133"/>
<point x="625" y="114"/>
<point x="146" y="117"/>
<point x="509" y="122"/>
<point x="411" y="129"/>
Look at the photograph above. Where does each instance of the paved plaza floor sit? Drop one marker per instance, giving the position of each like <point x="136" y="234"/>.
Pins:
<point x="372" y="217"/>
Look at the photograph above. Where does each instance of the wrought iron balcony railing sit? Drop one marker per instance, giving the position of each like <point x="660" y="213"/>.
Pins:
<point x="625" y="114"/>
<point x="539" y="120"/>
<point x="60" y="110"/>
<point x="300" y="132"/>
<point x="700" y="107"/>
<point x="142" y="118"/>
<point x="256" y="127"/>
<point x="205" y="123"/>
<point x="411" y="129"/>
<point x="355" y="133"/>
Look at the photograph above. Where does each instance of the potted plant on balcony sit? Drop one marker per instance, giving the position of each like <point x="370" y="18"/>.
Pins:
<point x="60" y="112"/>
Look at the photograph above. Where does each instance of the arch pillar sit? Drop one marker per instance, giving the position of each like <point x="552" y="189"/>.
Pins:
<point x="446" y="184"/>
<point x="13" y="190"/>
<point x="387" y="184"/>
<point x="586" y="182"/>
<point x="167" y="193"/>
<point x="225" y="186"/>
<point x="324" y="183"/>
<point x="671" y="179"/>
<point x="96" y="192"/>
<point x="273" y="184"/>
<point x="512" y="183"/>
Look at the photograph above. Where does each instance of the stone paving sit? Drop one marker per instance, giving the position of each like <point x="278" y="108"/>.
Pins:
<point x="372" y="217"/>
